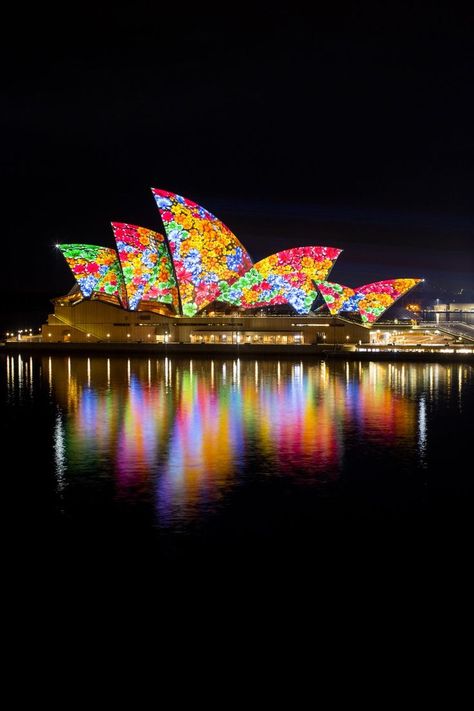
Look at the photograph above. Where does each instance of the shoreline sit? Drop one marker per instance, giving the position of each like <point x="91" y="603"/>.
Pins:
<point x="232" y="350"/>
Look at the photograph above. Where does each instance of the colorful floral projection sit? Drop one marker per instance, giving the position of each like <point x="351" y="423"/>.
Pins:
<point x="370" y="300"/>
<point x="201" y="261"/>
<point x="334" y="295"/>
<point x="283" y="278"/>
<point x="205" y="252"/>
<point x="96" y="270"/>
<point x="146" y="266"/>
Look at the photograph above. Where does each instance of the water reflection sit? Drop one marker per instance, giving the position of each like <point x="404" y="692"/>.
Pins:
<point x="59" y="452"/>
<point x="182" y="434"/>
<point x="422" y="434"/>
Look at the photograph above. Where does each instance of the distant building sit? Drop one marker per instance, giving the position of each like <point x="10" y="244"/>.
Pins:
<point x="454" y="308"/>
<point x="451" y="312"/>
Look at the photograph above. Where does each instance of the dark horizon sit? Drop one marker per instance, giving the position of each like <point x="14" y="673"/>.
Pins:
<point x="350" y="129"/>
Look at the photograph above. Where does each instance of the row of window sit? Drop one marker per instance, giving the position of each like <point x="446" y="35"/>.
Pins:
<point x="247" y="338"/>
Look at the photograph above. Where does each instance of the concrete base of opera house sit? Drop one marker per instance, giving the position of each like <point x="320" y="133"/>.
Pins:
<point x="97" y="327"/>
<point x="94" y="321"/>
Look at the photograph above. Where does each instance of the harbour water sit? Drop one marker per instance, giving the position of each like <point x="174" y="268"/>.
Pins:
<point x="200" y="455"/>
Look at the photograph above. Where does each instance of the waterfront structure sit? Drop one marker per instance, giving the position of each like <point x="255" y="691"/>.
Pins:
<point x="197" y="284"/>
<point x="450" y="313"/>
<point x="454" y="308"/>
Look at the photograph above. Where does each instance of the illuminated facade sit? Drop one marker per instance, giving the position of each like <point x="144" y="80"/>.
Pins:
<point x="97" y="272"/>
<point x="370" y="300"/>
<point x="205" y="253"/>
<point x="147" y="268"/>
<point x="283" y="278"/>
<point x="199" y="269"/>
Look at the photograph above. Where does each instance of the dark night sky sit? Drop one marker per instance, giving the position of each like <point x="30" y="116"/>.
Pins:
<point x="352" y="128"/>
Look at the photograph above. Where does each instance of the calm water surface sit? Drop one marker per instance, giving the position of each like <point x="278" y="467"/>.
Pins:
<point x="216" y="453"/>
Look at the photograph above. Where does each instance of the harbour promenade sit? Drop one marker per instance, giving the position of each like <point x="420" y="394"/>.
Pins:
<point x="231" y="350"/>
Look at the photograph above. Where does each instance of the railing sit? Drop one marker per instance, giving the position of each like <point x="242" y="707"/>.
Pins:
<point x="77" y="327"/>
<point x="454" y="328"/>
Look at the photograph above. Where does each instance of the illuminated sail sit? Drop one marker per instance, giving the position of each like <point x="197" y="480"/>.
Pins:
<point x="97" y="271"/>
<point x="374" y="299"/>
<point x="146" y="266"/>
<point x="204" y="251"/>
<point x="370" y="300"/>
<point x="201" y="261"/>
<point x="284" y="277"/>
<point x="335" y="295"/>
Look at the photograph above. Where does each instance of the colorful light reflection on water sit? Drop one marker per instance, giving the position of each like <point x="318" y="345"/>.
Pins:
<point x="182" y="436"/>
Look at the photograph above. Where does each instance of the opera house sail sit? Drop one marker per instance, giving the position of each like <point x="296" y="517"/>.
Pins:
<point x="199" y="263"/>
<point x="147" y="267"/>
<point x="205" y="253"/>
<point x="97" y="272"/>
<point x="370" y="300"/>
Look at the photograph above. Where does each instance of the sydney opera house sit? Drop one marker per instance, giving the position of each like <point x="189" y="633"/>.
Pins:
<point x="196" y="283"/>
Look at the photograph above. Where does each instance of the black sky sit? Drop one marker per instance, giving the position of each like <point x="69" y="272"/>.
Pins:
<point x="351" y="127"/>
